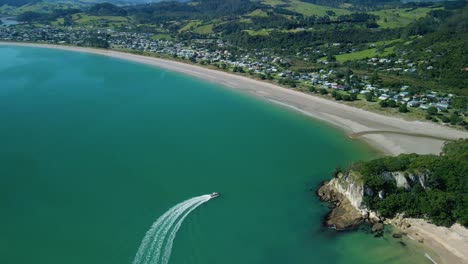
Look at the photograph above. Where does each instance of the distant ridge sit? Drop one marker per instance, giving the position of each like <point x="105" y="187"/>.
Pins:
<point x="18" y="2"/>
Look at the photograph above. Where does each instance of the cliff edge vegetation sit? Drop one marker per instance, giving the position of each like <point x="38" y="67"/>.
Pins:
<point x="420" y="186"/>
<point x="430" y="187"/>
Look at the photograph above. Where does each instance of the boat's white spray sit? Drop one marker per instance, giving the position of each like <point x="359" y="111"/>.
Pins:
<point x="154" y="252"/>
<point x="149" y="239"/>
<point x="156" y="246"/>
<point x="149" y="251"/>
<point x="168" y="249"/>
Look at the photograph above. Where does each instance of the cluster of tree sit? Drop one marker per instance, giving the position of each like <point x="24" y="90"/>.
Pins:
<point x="31" y="16"/>
<point x="205" y="10"/>
<point x="345" y="97"/>
<point x="321" y="91"/>
<point x="402" y="108"/>
<point x="444" y="44"/>
<point x="361" y="5"/>
<point x="106" y="9"/>
<point x="454" y="119"/>
<point x="358" y="17"/>
<point x="95" y="42"/>
<point x="288" y="40"/>
<point x="442" y="199"/>
<point x="288" y="82"/>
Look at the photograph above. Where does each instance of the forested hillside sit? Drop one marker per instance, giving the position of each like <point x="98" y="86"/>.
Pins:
<point x="18" y="2"/>
<point x="420" y="186"/>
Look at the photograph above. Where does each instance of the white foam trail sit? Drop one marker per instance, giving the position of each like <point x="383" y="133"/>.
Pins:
<point x="170" y="240"/>
<point x="153" y="258"/>
<point x="150" y="234"/>
<point x="149" y="251"/>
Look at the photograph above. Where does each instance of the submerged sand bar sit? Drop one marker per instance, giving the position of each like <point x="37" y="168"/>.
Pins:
<point x="391" y="135"/>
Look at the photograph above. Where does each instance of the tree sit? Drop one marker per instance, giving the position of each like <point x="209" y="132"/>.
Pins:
<point x="392" y="103"/>
<point x="353" y="97"/>
<point x="323" y="91"/>
<point x="312" y="89"/>
<point x="383" y="103"/>
<point x="432" y="110"/>
<point x="375" y="78"/>
<point x="369" y="97"/>
<point x="460" y="103"/>
<point x="403" y="109"/>
<point x="455" y="119"/>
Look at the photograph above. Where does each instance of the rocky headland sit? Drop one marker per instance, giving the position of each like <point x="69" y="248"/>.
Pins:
<point x="346" y="193"/>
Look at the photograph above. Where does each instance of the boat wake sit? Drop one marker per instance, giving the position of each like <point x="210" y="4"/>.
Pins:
<point x="156" y="246"/>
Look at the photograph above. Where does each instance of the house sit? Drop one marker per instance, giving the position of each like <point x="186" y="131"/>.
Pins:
<point x="383" y="97"/>
<point x="424" y="106"/>
<point x="442" y="106"/>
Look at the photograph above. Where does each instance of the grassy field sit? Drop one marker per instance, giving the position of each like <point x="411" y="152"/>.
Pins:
<point x="58" y="22"/>
<point x="246" y="21"/>
<point x="394" y="18"/>
<point x="359" y="55"/>
<point x="257" y="13"/>
<point x="370" y="53"/>
<point x="197" y="27"/>
<point x="263" y="32"/>
<point x="87" y="20"/>
<point x="206" y="29"/>
<point x="162" y="36"/>
<point x="304" y="8"/>
<point x="191" y="25"/>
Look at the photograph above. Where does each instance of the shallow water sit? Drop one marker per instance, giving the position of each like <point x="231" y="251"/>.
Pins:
<point x="8" y="21"/>
<point x="95" y="149"/>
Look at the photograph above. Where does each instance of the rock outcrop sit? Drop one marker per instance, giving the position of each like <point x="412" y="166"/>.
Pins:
<point x="346" y="193"/>
<point x="344" y="215"/>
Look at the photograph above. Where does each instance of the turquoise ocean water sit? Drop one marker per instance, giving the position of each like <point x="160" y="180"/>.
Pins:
<point x="93" y="150"/>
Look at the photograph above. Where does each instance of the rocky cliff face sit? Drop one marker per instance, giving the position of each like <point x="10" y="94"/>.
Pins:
<point x="406" y="179"/>
<point x="346" y="192"/>
<point x="344" y="215"/>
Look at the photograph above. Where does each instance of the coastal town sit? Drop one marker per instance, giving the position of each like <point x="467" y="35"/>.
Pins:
<point x="349" y="116"/>
<point x="265" y="65"/>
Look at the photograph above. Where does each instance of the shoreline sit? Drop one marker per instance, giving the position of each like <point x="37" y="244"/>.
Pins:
<point x="449" y="243"/>
<point x="390" y="135"/>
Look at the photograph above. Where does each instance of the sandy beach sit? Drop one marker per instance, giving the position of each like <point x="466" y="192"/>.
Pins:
<point x="450" y="244"/>
<point x="391" y="135"/>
